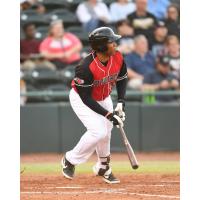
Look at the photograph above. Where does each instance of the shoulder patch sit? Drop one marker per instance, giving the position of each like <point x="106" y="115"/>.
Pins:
<point x="79" y="81"/>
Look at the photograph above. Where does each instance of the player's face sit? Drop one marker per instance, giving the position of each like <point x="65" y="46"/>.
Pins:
<point x="111" y="48"/>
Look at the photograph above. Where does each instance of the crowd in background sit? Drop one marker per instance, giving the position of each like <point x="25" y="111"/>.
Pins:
<point x="150" y="31"/>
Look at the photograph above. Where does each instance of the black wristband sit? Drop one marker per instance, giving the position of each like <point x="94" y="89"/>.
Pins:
<point x="109" y="116"/>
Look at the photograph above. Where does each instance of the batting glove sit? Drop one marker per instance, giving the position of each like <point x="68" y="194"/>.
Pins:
<point x="120" y="109"/>
<point x="115" y="119"/>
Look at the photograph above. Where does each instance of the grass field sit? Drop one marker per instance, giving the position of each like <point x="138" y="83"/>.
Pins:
<point x="122" y="167"/>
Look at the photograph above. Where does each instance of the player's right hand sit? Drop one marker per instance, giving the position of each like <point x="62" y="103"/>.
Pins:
<point x="115" y="119"/>
<point x="120" y="110"/>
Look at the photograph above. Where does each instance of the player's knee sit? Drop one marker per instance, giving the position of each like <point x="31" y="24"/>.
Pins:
<point x="99" y="134"/>
<point x="100" y="131"/>
<point x="102" y="134"/>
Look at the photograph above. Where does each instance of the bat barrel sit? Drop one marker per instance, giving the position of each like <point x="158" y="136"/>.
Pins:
<point x="130" y="152"/>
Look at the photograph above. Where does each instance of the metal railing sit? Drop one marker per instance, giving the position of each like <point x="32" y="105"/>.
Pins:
<point x="114" y="93"/>
<point x="129" y="94"/>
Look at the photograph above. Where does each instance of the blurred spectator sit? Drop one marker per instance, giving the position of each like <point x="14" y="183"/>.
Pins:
<point x="173" y="51"/>
<point x="142" y="21"/>
<point x="93" y="14"/>
<point x="161" y="79"/>
<point x="29" y="45"/>
<point x="172" y="20"/>
<point x="126" y="42"/>
<point x="139" y="63"/>
<point x="158" y="8"/>
<point x="120" y="9"/>
<point x="29" y="50"/>
<point x="40" y="8"/>
<point x="160" y="34"/>
<point x="59" y="47"/>
<point x="26" y="4"/>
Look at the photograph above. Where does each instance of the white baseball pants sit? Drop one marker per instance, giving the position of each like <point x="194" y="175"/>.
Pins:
<point x="98" y="134"/>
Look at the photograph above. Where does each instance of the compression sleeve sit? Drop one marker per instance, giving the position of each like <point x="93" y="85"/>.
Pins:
<point x="122" y="82"/>
<point x="83" y="81"/>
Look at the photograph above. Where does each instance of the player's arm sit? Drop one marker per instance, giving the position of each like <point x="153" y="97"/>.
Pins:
<point x="122" y="82"/>
<point x="83" y="81"/>
<point x="121" y="90"/>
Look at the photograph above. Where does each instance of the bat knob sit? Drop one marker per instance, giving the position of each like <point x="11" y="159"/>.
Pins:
<point x="135" y="166"/>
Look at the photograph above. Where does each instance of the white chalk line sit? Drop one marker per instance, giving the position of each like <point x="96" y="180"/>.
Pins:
<point x="67" y="187"/>
<point x="111" y="191"/>
<point x="147" y="195"/>
<point x="170" y="181"/>
<point x="61" y="187"/>
<point x="168" y="184"/>
<point x="141" y="185"/>
<point x="80" y="192"/>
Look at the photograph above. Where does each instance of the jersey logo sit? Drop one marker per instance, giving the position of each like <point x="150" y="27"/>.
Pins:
<point x="106" y="80"/>
<point x="78" y="80"/>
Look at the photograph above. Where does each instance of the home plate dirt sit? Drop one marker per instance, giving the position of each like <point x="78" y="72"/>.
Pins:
<point x="89" y="187"/>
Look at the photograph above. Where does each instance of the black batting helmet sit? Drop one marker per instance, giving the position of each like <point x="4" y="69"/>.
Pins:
<point x="99" y="38"/>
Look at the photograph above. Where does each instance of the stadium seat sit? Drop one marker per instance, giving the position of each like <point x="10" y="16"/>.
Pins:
<point x="43" y="79"/>
<point x="42" y="32"/>
<point x="41" y="76"/>
<point x="66" y="75"/>
<point x="54" y="4"/>
<point x="67" y="16"/>
<point x="79" y="32"/>
<point x="73" y="4"/>
<point x="28" y="16"/>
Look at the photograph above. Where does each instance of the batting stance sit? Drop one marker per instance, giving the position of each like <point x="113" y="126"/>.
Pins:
<point x="90" y="99"/>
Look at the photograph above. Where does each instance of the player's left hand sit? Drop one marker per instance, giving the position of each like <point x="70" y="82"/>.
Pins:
<point x="115" y="119"/>
<point x="120" y="111"/>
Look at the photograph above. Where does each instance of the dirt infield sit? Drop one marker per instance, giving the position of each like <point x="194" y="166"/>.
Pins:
<point x="89" y="187"/>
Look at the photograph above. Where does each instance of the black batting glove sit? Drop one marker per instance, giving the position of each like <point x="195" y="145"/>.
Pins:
<point x="115" y="119"/>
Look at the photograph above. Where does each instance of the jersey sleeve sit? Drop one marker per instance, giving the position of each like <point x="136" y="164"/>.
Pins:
<point x="84" y="81"/>
<point x="123" y="72"/>
<point x="122" y="82"/>
<point x="83" y="76"/>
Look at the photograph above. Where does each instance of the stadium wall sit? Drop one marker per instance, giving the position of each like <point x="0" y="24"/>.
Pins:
<point x="55" y="128"/>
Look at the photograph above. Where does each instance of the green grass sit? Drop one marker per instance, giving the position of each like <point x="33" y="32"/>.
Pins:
<point x="122" y="167"/>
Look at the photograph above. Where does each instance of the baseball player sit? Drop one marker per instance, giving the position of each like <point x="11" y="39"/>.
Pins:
<point x="90" y="99"/>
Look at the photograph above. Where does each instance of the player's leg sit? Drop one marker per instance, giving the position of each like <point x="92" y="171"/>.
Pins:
<point x="102" y="166"/>
<point x="96" y="130"/>
<point x="103" y="146"/>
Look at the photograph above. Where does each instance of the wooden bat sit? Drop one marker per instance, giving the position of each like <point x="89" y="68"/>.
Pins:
<point x="131" y="154"/>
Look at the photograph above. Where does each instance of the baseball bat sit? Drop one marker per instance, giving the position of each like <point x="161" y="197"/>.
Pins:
<point x="131" y="154"/>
